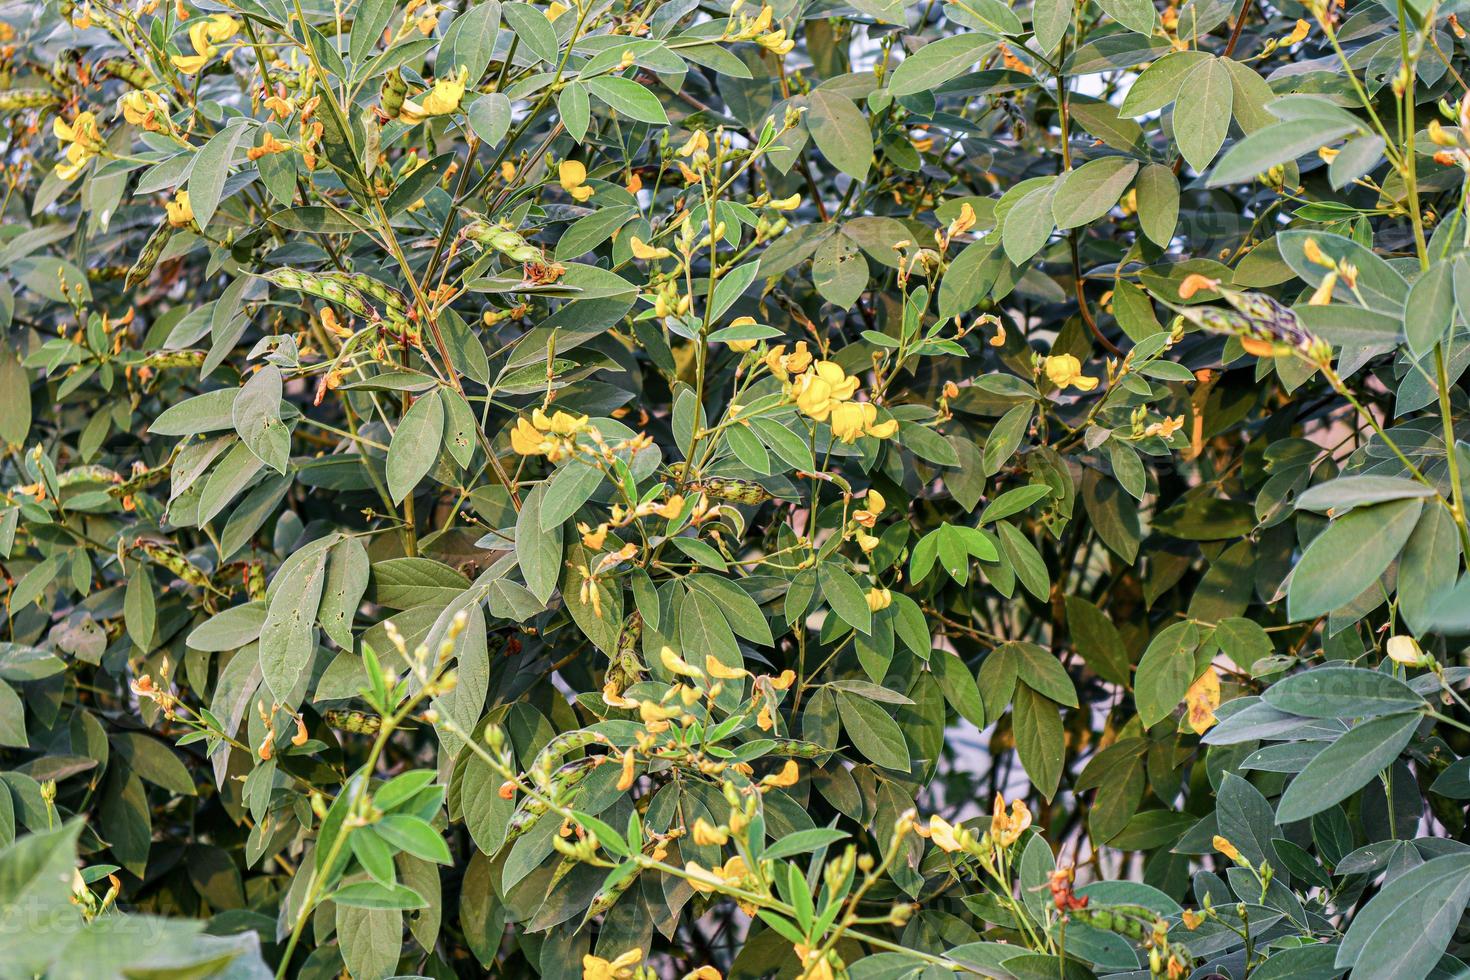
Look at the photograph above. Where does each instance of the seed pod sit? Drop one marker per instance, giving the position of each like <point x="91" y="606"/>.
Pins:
<point x="607" y="897"/>
<point x="733" y="491"/>
<point x="140" y="482"/>
<point x="798" y="749"/>
<point x="392" y="93"/>
<point x="148" y="258"/>
<point x="333" y="290"/>
<point x="562" y="783"/>
<point x="174" y="561"/>
<point x="124" y="70"/>
<point x="394" y="304"/>
<point x="174" y="359"/>
<point x="560" y="746"/>
<point x="18" y="99"/>
<point x="86" y="474"/>
<point x="353" y="722"/>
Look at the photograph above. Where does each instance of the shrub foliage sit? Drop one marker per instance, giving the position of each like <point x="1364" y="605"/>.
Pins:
<point x="649" y="487"/>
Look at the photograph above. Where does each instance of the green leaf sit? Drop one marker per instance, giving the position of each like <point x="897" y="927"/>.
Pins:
<point x="1429" y="308"/>
<point x="1202" y="112"/>
<point x="939" y="61"/>
<point x="538" y="549"/>
<point x="1097" y="640"/>
<point x="1346" y="766"/>
<point x="1432" y="897"/>
<point x="415" y="446"/>
<point x="1342" y="692"/>
<point x="1091" y="191"/>
<point x="1279" y="143"/>
<point x="1158" y="202"/>
<point x="873" y="732"/>
<point x="1349" y="557"/>
<point x="288" y="638"/>
<point x="845" y="596"/>
<point x="140" y="613"/>
<point x="468" y="43"/>
<point x="841" y="132"/>
<point x="257" y="416"/>
<point x="1165" y="672"/>
<point x="629" y="98"/>
<point x="1040" y="741"/>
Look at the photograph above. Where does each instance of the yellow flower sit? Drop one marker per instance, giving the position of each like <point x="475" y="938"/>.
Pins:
<point x="1166" y="427"/>
<point x="784" y="365"/>
<point x="944" y="834"/>
<point x="707" y="880"/>
<point x="822" y="389"/>
<point x="1403" y="649"/>
<point x="1006" y="828"/>
<point x="446" y="94"/>
<point x="1226" y="848"/>
<point x="676" y="664"/>
<point x="719" y="671"/>
<point x="573" y="178"/>
<point x="741" y="346"/>
<point x="706" y="833"/>
<point x="620" y="968"/>
<point x="642" y="250"/>
<point x="1298" y="33"/>
<point x="1191" y="919"/>
<point x="786" y="203"/>
<point x="180" y="212"/>
<point x="560" y="423"/>
<point x="527" y="440"/>
<point x="83" y="140"/>
<point x="1064" y="369"/>
<point x="698" y="143"/>
<point x="703" y="973"/>
<point x="268" y="145"/>
<point x="1201" y="700"/>
<point x="879" y="599"/>
<point x="204" y="35"/>
<point x="853" y="419"/>
<point x="788" y="776"/>
<point x="146" y="108"/>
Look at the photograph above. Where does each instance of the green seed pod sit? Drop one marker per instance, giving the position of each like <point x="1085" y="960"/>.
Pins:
<point x="127" y="71"/>
<point x="174" y="359"/>
<point x="148" y="258"/>
<point x="392" y="93"/>
<point x="19" y="99"/>
<point x="140" y="482"/>
<point x="353" y="722"/>
<point x="86" y="474"/>
<point x="733" y="491"/>
<point x="607" y="897"/>
<point x="798" y="749"/>
<point x="394" y="303"/>
<point x="562" y="782"/>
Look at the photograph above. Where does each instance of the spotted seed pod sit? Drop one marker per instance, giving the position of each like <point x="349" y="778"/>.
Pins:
<point x="86" y="474"/>
<point x="798" y="749"/>
<point x="353" y="722"/>
<point x="164" y="359"/>
<point x="174" y="561"/>
<point x="392" y="93"/>
<point x="608" y="896"/>
<point x="733" y="491"/>
<point x="394" y="304"/>
<point x="333" y="290"/>
<point x="562" y="783"/>
<point x="625" y="666"/>
<point x="560" y="747"/>
<point x="148" y="258"/>
<point x="140" y="482"/>
<point x="127" y="71"/>
<point x="103" y="273"/>
<point x="255" y="580"/>
<point x="18" y="99"/>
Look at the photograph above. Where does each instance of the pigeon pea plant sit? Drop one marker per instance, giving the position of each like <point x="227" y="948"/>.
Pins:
<point x="659" y="488"/>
